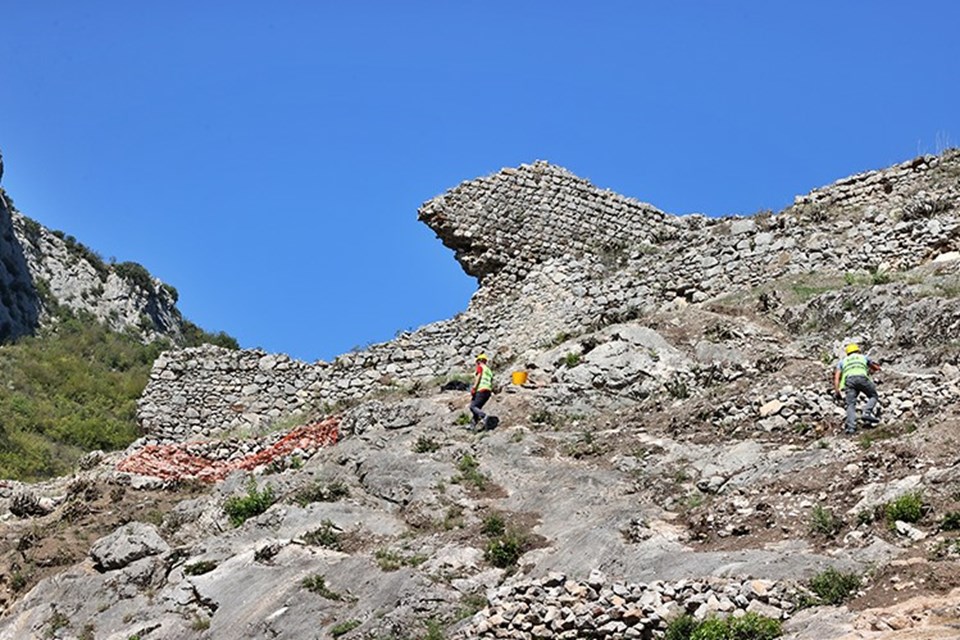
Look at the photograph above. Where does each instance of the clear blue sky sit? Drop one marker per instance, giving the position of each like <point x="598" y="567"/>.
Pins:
<point x="268" y="159"/>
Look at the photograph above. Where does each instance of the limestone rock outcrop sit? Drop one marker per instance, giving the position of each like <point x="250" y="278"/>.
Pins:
<point x="41" y="269"/>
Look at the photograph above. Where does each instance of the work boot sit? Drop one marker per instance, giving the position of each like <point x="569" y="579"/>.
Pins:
<point x="871" y="419"/>
<point x="850" y="431"/>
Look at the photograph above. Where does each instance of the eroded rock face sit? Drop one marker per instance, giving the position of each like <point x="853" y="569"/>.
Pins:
<point x="39" y="268"/>
<point x="127" y="544"/>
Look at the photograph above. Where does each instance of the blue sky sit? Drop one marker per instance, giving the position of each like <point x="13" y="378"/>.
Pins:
<point x="268" y="159"/>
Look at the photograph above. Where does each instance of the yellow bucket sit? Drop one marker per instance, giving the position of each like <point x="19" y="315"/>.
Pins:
<point x="519" y="377"/>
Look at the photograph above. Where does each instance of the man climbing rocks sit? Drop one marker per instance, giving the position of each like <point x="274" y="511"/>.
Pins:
<point x="852" y="375"/>
<point x="481" y="391"/>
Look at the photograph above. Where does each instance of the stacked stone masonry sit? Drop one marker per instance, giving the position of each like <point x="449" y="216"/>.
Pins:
<point x="555" y="255"/>
<point x="556" y="607"/>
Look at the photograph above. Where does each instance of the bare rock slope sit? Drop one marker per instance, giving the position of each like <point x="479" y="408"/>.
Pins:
<point x="676" y="449"/>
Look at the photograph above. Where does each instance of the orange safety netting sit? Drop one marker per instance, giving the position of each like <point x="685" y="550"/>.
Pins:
<point x="173" y="462"/>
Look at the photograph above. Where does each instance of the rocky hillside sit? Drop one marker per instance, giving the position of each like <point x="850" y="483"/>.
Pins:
<point x="676" y="449"/>
<point x="41" y="270"/>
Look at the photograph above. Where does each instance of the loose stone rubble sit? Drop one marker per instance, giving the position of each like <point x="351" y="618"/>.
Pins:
<point x="562" y="608"/>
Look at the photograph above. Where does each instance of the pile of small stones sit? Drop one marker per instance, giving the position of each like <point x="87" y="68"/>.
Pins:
<point x="558" y="607"/>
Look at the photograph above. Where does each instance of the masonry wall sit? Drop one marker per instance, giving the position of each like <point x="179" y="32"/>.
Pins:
<point x="555" y="255"/>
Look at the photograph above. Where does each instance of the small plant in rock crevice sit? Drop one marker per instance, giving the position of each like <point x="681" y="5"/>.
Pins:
<point x="425" y="444"/>
<point x="321" y="491"/>
<point x="240" y="508"/>
<point x="344" y="627"/>
<point x="326" y="536"/>
<point x="470" y="473"/>
<point x="199" y="568"/>
<point x="389" y="560"/>
<point x="318" y="584"/>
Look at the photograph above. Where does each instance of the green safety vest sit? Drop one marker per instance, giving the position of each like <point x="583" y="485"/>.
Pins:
<point x="854" y="364"/>
<point x="486" y="378"/>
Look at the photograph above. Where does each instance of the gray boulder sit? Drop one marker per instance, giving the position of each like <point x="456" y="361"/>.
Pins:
<point x="127" y="544"/>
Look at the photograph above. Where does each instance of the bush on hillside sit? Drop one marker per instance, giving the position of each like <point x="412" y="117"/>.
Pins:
<point x="70" y="389"/>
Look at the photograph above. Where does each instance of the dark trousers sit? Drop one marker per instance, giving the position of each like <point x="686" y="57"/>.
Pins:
<point x="854" y="386"/>
<point x="479" y="399"/>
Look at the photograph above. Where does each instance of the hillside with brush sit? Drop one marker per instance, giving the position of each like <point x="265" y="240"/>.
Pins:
<point x="674" y="465"/>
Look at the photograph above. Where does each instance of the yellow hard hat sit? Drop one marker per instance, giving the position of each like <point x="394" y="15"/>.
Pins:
<point x="482" y="356"/>
<point x="851" y="348"/>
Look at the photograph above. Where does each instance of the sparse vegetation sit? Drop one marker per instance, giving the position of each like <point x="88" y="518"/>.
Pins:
<point x="326" y="536"/>
<point x="470" y="473"/>
<point x="834" y="587"/>
<point x="571" y="359"/>
<point x="906" y="508"/>
<point x="505" y="550"/>
<point x="950" y="521"/>
<point x="321" y="491"/>
<point x="493" y="525"/>
<point x="199" y="622"/>
<point x="241" y="508"/>
<point x="199" y="568"/>
<point x="677" y="388"/>
<point x="542" y="416"/>
<point x="823" y="522"/>
<point x="426" y="444"/>
<point x="318" y="584"/>
<point x="344" y="627"/>
<point x="389" y="560"/>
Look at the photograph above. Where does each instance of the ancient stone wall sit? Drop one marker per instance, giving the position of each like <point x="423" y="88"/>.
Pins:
<point x="564" y="257"/>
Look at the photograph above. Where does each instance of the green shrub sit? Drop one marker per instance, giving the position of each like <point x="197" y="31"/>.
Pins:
<point x="470" y="473"/>
<point x="321" y="491"/>
<point x="241" y="508"/>
<point x="824" y="522"/>
<point x="389" y="560"/>
<point x="834" y="587"/>
<point x="572" y="359"/>
<point x="493" y="525"/>
<point x="325" y="536"/>
<point x="318" y="584"/>
<point x="907" y="508"/>
<point x="200" y="567"/>
<point x="344" y="627"/>
<point x="504" y="551"/>
<point x="681" y="628"/>
<point x="542" y="416"/>
<point x="136" y="274"/>
<point x="426" y="445"/>
<point x="194" y="336"/>
<point x="463" y="419"/>
<point x="748" y="627"/>
<point x="434" y="630"/>
<point x="70" y="389"/>
<point x="950" y="521"/>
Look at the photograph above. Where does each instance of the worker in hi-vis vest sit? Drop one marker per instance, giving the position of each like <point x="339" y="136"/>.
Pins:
<point x="852" y="376"/>
<point x="481" y="391"/>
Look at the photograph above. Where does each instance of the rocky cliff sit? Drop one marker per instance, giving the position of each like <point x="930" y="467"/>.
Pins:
<point x="676" y="450"/>
<point x="42" y="270"/>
